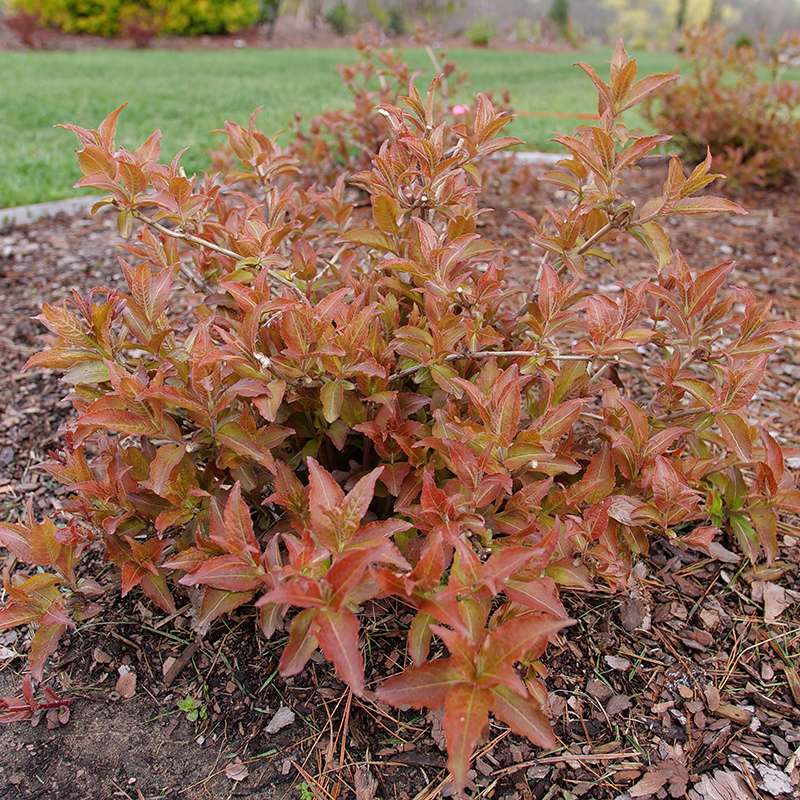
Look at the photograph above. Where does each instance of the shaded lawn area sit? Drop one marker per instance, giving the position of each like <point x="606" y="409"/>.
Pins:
<point x="190" y="93"/>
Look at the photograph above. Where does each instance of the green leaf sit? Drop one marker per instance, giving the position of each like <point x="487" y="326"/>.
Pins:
<point x="332" y="397"/>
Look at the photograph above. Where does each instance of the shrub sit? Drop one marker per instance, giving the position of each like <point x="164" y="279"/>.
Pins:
<point x="179" y="17"/>
<point x="559" y="15"/>
<point x="140" y="25"/>
<point x="480" y="33"/>
<point x="527" y="30"/>
<point x="308" y="398"/>
<point x="396" y="22"/>
<point x="725" y="102"/>
<point x="345" y="140"/>
<point x="269" y="12"/>
<point x="341" y="19"/>
<point x="25" y="26"/>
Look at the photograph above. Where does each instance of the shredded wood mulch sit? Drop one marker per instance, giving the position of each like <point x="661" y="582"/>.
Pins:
<point x="685" y="686"/>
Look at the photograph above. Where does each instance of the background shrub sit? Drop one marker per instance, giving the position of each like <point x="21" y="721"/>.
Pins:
<point x="341" y="19"/>
<point x="179" y="17"/>
<point x="733" y="100"/>
<point x="480" y="33"/>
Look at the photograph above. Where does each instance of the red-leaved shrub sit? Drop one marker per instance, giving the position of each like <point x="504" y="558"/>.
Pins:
<point x="734" y="101"/>
<point x="308" y="398"/>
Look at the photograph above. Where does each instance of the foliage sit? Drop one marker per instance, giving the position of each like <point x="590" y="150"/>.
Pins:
<point x="480" y="33"/>
<point x="341" y="18"/>
<point x="559" y="14"/>
<point x="395" y="22"/>
<point x="25" y="26"/>
<point x="651" y="23"/>
<point x="727" y="103"/>
<point x="141" y="25"/>
<point x="346" y="139"/>
<point x="527" y="30"/>
<point x="180" y="17"/>
<point x="560" y="24"/>
<point x="194" y="710"/>
<point x="269" y="12"/>
<point x="321" y="399"/>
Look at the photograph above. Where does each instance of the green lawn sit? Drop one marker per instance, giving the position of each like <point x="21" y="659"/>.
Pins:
<point x="188" y="94"/>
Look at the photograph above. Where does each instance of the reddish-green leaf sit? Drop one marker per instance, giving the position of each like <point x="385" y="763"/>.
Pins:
<point x="466" y="713"/>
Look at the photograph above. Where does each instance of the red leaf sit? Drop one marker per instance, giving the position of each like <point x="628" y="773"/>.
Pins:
<point x="239" y="535"/>
<point x="155" y="587"/>
<point x="523" y="717"/>
<point x="337" y="632"/>
<point x="466" y="712"/>
<point x="168" y="457"/>
<point x="538" y="595"/>
<point x="44" y="644"/>
<point x="229" y="573"/>
<point x="325" y="497"/>
<point x="215" y="603"/>
<point x="302" y="643"/>
<point x="421" y="687"/>
<point x="14" y="538"/>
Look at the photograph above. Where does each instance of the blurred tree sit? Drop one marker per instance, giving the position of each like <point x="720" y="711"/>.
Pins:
<point x="559" y="14"/>
<point x="270" y="10"/>
<point x="680" y="17"/>
<point x="645" y="23"/>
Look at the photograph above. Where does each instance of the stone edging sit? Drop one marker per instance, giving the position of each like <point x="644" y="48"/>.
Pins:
<point x="24" y="215"/>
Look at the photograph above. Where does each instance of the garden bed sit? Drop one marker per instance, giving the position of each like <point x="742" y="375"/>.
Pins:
<point x="680" y="679"/>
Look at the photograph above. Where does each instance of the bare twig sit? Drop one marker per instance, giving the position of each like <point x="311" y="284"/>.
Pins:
<point x="180" y="663"/>
<point x="490" y="354"/>
<point x="598" y="234"/>
<point x="200" y="242"/>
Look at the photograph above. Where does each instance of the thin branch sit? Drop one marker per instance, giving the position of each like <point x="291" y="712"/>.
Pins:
<point x="440" y="71"/>
<point x="598" y="234"/>
<point x="490" y="354"/>
<point x="192" y="239"/>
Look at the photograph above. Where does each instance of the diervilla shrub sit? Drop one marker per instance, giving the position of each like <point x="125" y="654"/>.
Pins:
<point x="308" y="398"/>
<point x="734" y="100"/>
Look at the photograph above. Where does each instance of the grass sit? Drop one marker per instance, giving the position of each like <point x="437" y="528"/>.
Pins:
<point x="190" y="93"/>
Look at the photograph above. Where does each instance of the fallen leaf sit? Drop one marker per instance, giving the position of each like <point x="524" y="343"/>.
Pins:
<point x="7" y="654"/>
<point x="650" y="783"/>
<point x="712" y="697"/>
<point x="793" y="680"/>
<point x="282" y="718"/>
<point x="775" y="602"/>
<point x="364" y="783"/>
<point x="126" y="683"/>
<point x="667" y="772"/>
<point x="618" y="663"/>
<point x="617" y="704"/>
<point x="634" y="614"/>
<point x="599" y="690"/>
<point x="722" y="786"/>
<point x="236" y="770"/>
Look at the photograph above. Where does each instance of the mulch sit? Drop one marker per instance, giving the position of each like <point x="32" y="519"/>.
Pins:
<point x="684" y="686"/>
